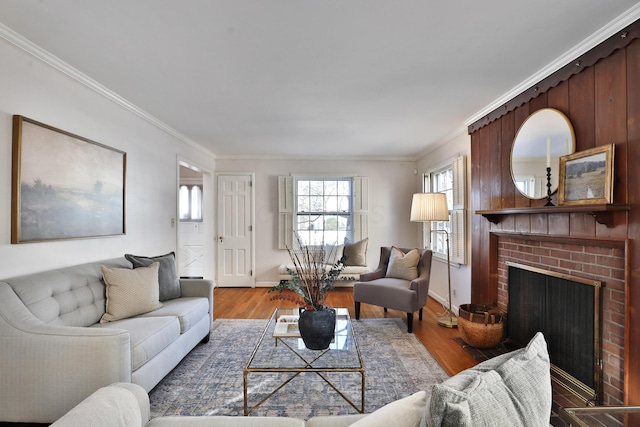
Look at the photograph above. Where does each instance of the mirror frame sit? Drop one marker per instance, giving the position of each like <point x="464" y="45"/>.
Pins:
<point x="571" y="150"/>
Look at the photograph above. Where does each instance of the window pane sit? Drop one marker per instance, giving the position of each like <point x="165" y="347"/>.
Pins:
<point x="315" y="187"/>
<point x="196" y="203"/>
<point x="316" y="203"/>
<point x="331" y="187"/>
<point x="184" y="202"/>
<point x="303" y="204"/>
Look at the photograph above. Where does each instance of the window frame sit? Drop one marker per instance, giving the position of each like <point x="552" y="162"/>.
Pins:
<point x="433" y="237"/>
<point x="287" y="206"/>
<point x="325" y="196"/>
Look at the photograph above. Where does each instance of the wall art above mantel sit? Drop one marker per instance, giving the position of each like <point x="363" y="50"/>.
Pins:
<point x="64" y="186"/>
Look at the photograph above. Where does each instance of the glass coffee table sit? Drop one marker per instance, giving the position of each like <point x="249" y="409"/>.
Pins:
<point x="286" y="353"/>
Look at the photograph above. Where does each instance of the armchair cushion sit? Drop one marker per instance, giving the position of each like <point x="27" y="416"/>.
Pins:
<point x="403" y="265"/>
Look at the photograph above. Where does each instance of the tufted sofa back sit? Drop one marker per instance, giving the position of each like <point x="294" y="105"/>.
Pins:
<point x="69" y="296"/>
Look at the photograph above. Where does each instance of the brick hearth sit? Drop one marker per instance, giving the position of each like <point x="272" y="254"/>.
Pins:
<point x="605" y="263"/>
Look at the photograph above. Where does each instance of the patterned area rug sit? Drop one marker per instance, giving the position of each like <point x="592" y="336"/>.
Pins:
<point x="209" y="380"/>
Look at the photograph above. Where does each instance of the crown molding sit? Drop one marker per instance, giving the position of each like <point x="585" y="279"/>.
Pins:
<point x="56" y="63"/>
<point x="625" y="19"/>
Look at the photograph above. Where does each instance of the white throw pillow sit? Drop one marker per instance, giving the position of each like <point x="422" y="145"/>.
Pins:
<point x="406" y="412"/>
<point x="130" y="291"/>
<point x="403" y="266"/>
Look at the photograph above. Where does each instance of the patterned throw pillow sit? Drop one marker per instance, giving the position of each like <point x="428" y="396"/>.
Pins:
<point x="403" y="266"/>
<point x="130" y="292"/>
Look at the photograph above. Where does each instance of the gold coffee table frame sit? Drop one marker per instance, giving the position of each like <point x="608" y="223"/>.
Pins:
<point x="293" y="357"/>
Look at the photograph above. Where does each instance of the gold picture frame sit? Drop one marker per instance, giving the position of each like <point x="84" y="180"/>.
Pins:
<point x="64" y="186"/>
<point x="586" y="178"/>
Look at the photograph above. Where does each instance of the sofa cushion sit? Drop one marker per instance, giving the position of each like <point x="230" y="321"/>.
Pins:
<point x="149" y="335"/>
<point x="403" y="266"/>
<point x="130" y="292"/>
<point x="189" y="311"/>
<point x="167" y="274"/>
<point x="355" y="253"/>
<point x="225" y="421"/>
<point x="516" y="391"/>
<point x="406" y="412"/>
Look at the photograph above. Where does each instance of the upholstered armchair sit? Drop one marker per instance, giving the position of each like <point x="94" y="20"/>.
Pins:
<point x="398" y="288"/>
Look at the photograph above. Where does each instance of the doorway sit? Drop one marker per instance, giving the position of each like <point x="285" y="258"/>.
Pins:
<point x="194" y="257"/>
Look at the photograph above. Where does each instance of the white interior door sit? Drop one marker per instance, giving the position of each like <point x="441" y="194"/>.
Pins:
<point x="235" y="230"/>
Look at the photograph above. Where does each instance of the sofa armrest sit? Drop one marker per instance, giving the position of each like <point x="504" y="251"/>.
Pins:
<point x="373" y="275"/>
<point x="198" y="288"/>
<point x="421" y="287"/>
<point x="117" y="404"/>
<point x="38" y="359"/>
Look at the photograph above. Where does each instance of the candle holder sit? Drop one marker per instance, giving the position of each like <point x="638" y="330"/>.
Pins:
<point x="549" y="187"/>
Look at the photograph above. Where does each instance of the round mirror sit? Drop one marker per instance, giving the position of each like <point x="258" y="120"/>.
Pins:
<point x="542" y="139"/>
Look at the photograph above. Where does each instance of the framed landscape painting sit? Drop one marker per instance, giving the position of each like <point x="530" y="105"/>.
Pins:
<point x="64" y="186"/>
<point x="586" y="178"/>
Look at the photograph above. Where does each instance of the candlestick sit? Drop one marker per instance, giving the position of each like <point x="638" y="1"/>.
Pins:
<point x="549" y="187"/>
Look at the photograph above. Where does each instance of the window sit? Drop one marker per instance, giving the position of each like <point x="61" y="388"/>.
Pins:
<point x="190" y="203"/>
<point x="451" y="180"/>
<point x="322" y="209"/>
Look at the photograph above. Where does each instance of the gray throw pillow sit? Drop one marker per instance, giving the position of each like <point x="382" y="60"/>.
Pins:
<point x="167" y="275"/>
<point x="355" y="253"/>
<point x="514" y="392"/>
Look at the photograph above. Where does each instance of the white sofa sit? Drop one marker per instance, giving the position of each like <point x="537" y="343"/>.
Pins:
<point x="127" y="405"/>
<point x="55" y="352"/>
<point x="513" y="389"/>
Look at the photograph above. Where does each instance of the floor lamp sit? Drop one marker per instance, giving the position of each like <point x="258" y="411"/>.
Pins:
<point x="427" y="207"/>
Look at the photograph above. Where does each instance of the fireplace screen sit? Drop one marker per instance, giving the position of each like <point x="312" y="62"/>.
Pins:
<point x="566" y="310"/>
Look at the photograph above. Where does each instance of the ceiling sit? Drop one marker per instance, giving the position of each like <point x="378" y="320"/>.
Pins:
<point x="309" y="78"/>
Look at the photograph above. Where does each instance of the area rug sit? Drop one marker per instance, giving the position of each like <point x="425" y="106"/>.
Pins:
<point x="209" y="381"/>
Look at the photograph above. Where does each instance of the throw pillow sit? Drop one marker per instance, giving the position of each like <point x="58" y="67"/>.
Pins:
<point x="516" y="392"/>
<point x="355" y="253"/>
<point x="130" y="292"/>
<point x="403" y="266"/>
<point x="403" y="412"/>
<point x="167" y="275"/>
<point x="332" y="253"/>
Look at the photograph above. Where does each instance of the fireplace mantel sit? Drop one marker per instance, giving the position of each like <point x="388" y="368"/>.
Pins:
<point x="602" y="213"/>
<point x="604" y="242"/>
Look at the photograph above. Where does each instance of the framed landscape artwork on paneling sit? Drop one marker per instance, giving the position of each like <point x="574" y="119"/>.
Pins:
<point x="586" y="178"/>
<point x="64" y="186"/>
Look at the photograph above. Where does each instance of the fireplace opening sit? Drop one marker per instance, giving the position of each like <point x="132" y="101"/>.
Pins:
<point x="566" y="309"/>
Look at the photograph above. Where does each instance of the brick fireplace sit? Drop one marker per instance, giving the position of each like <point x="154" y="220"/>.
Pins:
<point x="601" y="260"/>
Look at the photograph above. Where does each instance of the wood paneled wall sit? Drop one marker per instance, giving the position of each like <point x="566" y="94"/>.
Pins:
<point x="600" y="94"/>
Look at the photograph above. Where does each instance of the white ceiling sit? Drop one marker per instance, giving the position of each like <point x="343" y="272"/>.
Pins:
<point x="308" y="78"/>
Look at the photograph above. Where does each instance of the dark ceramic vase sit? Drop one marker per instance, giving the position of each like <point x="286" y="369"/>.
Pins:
<point x="317" y="328"/>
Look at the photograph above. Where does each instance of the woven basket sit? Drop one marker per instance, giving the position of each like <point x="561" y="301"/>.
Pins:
<point x="481" y="326"/>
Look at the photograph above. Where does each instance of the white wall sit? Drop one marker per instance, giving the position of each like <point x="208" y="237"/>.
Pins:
<point x="391" y="185"/>
<point x="35" y="90"/>
<point x="460" y="276"/>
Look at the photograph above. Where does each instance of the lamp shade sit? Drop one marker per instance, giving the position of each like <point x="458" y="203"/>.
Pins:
<point x="429" y="207"/>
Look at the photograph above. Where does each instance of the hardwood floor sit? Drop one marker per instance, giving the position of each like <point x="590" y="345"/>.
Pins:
<point x="248" y="303"/>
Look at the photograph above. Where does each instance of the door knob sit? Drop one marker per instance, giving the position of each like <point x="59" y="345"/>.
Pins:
<point x="220" y="239"/>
